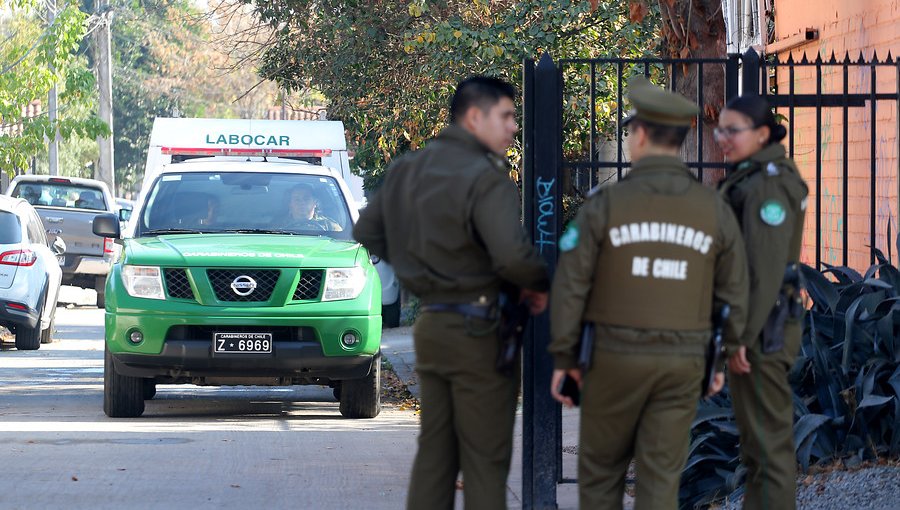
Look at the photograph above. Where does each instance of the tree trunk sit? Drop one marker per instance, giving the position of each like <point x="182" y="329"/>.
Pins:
<point x="696" y="29"/>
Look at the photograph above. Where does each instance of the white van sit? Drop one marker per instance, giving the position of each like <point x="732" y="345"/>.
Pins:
<point x="316" y="142"/>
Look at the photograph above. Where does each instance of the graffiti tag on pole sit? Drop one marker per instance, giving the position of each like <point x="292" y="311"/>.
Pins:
<point x="546" y="222"/>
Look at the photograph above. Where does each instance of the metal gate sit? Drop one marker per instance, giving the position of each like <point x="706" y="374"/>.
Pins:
<point x="559" y="167"/>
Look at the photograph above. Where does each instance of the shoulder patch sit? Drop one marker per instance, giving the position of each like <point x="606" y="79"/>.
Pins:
<point x="569" y="240"/>
<point x="772" y="212"/>
<point x="772" y="169"/>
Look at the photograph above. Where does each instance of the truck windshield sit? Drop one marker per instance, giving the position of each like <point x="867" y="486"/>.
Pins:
<point x="246" y="202"/>
<point x="53" y="194"/>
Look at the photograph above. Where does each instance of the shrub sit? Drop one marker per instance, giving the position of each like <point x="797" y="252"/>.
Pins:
<point x="846" y="382"/>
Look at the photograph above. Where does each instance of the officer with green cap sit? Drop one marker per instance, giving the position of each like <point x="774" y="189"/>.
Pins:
<point x="646" y="261"/>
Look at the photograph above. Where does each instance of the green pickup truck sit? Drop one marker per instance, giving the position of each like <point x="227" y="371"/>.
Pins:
<point x="241" y="270"/>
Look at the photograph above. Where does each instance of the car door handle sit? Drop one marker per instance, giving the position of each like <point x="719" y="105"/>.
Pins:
<point x="54" y="219"/>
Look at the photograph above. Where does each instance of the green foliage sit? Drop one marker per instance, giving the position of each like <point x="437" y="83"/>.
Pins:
<point x="35" y="56"/>
<point x="846" y="382"/>
<point x="389" y="70"/>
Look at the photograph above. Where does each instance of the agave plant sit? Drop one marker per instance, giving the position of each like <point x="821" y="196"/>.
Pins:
<point x="846" y="383"/>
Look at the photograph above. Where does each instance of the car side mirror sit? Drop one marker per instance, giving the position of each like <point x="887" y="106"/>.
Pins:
<point x="59" y="246"/>
<point x="106" y="225"/>
<point x="124" y="214"/>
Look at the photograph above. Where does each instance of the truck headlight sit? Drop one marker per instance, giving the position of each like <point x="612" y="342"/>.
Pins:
<point x="343" y="283"/>
<point x="143" y="282"/>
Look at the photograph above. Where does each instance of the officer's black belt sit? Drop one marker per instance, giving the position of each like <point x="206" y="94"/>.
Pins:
<point x="466" y="310"/>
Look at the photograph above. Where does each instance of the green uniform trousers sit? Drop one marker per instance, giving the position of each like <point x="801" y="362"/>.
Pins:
<point x="636" y="406"/>
<point x="764" y="409"/>
<point x="467" y="411"/>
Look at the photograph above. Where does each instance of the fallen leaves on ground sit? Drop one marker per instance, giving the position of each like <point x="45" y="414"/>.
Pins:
<point x="395" y="392"/>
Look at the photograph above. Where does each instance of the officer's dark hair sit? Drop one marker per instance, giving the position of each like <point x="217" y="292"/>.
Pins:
<point x="659" y="134"/>
<point x="479" y="91"/>
<point x="758" y="110"/>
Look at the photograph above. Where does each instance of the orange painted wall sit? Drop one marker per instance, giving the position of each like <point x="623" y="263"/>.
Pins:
<point x="870" y="27"/>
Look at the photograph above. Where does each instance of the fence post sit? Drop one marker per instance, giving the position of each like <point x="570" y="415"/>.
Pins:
<point x="541" y="415"/>
<point x="732" y="76"/>
<point x="750" y="72"/>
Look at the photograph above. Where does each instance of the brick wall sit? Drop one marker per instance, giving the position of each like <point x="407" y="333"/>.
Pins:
<point x="870" y="27"/>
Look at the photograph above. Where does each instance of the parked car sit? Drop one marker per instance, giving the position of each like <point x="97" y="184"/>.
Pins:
<point x="68" y="206"/>
<point x="29" y="274"/>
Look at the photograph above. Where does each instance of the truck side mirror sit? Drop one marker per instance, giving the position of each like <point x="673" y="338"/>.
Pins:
<point x="106" y="225"/>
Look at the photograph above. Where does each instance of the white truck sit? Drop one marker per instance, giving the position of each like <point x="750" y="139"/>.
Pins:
<point x="316" y="142"/>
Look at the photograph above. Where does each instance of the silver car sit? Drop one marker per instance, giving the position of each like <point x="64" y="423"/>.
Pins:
<point x="29" y="274"/>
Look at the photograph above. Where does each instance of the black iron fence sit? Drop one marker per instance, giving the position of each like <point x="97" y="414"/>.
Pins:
<point x="573" y="140"/>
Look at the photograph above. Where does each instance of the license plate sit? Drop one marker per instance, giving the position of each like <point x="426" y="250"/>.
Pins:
<point x="242" y="343"/>
<point x="61" y="259"/>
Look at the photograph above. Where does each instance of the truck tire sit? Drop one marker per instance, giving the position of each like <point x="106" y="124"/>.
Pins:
<point x="100" y="287"/>
<point x="361" y="398"/>
<point x="149" y="389"/>
<point x="28" y="339"/>
<point x="390" y="314"/>
<point x="123" y="396"/>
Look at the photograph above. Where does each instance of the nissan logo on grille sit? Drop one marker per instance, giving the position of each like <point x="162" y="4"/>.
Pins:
<point x="243" y="285"/>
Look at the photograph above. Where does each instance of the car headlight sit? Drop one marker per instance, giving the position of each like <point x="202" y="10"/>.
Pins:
<point x="143" y="282"/>
<point x="343" y="283"/>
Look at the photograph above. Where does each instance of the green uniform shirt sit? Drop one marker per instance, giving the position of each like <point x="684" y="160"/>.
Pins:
<point x="447" y="218"/>
<point x="768" y="197"/>
<point x="644" y="259"/>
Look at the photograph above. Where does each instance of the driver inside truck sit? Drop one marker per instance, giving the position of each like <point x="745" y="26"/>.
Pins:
<point x="30" y="194"/>
<point x="303" y="211"/>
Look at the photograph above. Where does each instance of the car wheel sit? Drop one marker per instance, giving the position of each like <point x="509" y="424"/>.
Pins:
<point x="361" y="398"/>
<point x="28" y="339"/>
<point x="100" y="287"/>
<point x="390" y="315"/>
<point x="149" y="389"/>
<point x="337" y="391"/>
<point x="47" y="334"/>
<point x="123" y="396"/>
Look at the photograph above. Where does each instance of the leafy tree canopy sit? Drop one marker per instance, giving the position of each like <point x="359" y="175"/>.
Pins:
<point x="389" y="68"/>
<point x="37" y="53"/>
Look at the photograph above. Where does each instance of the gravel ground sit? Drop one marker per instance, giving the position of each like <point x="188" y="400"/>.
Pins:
<point x="872" y="488"/>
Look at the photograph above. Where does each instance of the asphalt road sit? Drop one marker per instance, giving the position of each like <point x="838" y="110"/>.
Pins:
<point x="194" y="447"/>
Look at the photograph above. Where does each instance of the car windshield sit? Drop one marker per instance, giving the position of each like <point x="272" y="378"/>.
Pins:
<point x="10" y="229"/>
<point x="250" y="202"/>
<point x="67" y="195"/>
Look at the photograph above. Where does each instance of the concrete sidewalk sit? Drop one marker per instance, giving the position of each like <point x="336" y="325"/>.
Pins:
<point x="397" y="348"/>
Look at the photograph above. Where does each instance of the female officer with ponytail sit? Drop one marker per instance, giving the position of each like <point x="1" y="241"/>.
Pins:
<point x="768" y="196"/>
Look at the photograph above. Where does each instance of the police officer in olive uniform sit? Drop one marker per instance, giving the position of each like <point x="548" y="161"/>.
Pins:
<point x="645" y="260"/>
<point x="768" y="196"/>
<point x="447" y="219"/>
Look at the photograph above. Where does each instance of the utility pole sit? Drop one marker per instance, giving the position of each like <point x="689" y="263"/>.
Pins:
<point x="106" y="167"/>
<point x="53" y="145"/>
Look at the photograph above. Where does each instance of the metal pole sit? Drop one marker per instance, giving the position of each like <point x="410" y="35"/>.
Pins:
<point x="53" y="144"/>
<point x="541" y="417"/>
<point x="106" y="166"/>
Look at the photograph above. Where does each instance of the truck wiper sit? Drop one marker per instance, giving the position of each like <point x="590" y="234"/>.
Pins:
<point x="162" y="231"/>
<point x="256" y="231"/>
